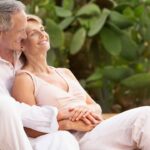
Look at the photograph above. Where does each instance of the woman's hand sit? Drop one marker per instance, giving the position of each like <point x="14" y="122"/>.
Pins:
<point x="83" y="113"/>
<point x="79" y="112"/>
<point x="92" y="118"/>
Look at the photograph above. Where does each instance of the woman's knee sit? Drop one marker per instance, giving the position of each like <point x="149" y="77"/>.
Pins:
<point x="68" y="137"/>
<point x="67" y="134"/>
<point x="144" y="110"/>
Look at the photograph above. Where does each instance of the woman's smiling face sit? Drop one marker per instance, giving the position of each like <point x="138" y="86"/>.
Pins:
<point x="37" y="38"/>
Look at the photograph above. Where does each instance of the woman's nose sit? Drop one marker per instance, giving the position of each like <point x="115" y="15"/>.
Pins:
<point x="42" y="34"/>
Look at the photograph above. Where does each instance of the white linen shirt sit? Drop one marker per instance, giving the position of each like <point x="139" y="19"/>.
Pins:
<point x="43" y="119"/>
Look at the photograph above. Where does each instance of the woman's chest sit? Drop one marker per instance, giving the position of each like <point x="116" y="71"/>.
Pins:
<point x="52" y="93"/>
<point x="55" y="80"/>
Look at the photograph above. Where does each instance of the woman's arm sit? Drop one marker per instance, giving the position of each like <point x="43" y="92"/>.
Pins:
<point x="92" y="105"/>
<point x="23" y="89"/>
<point x="91" y="108"/>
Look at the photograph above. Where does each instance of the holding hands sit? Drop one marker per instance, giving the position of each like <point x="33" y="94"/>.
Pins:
<point x="83" y="113"/>
<point x="79" y="118"/>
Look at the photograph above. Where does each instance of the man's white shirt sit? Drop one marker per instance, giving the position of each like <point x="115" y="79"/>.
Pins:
<point x="43" y="119"/>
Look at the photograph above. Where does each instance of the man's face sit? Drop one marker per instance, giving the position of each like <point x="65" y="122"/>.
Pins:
<point x="11" y="40"/>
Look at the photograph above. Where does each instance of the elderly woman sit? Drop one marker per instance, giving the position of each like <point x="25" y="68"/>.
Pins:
<point x="41" y="84"/>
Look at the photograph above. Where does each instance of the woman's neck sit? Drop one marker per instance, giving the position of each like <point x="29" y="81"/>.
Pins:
<point x="37" y="64"/>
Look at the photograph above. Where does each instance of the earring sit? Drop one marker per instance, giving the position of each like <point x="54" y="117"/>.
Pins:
<point x="22" y="49"/>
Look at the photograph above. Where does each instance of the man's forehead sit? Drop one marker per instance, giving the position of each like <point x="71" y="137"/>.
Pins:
<point x="19" y="19"/>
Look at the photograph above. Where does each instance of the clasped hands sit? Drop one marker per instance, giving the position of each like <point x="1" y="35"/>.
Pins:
<point x="78" y="118"/>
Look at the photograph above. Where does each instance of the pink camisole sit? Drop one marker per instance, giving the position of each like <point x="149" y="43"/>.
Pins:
<point x="49" y="94"/>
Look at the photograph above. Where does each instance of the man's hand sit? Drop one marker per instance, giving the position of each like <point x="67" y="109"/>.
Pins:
<point x="64" y="113"/>
<point x="76" y="126"/>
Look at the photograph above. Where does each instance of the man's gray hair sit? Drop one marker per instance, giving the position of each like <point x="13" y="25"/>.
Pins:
<point x="7" y="8"/>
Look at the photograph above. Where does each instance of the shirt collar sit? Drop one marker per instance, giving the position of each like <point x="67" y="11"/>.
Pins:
<point x="16" y="56"/>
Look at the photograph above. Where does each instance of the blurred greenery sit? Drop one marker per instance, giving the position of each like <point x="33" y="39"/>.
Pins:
<point x="106" y="44"/>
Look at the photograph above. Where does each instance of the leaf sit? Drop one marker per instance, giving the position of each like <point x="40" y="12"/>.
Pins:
<point x="68" y="4"/>
<point x="139" y="10"/>
<point x="117" y="73"/>
<point x="146" y="33"/>
<point x="129" y="48"/>
<point x="84" y="22"/>
<point x="120" y="20"/>
<point x="61" y="12"/>
<point x="97" y="75"/>
<point x="66" y="22"/>
<point x="129" y="13"/>
<point x="56" y="34"/>
<point x="95" y="79"/>
<point x="137" y="81"/>
<point x="94" y="84"/>
<point x="121" y="6"/>
<point x="111" y="41"/>
<point x="97" y="25"/>
<point x="115" y="28"/>
<point x="77" y="41"/>
<point x="89" y="10"/>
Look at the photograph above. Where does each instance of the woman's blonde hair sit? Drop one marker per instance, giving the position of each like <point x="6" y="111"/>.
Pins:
<point x="31" y="18"/>
<point x="34" y="18"/>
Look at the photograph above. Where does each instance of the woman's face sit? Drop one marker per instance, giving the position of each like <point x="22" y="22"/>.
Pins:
<point x="37" y="39"/>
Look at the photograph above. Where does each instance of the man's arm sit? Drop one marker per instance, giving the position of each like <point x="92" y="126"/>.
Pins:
<point x="42" y="119"/>
<point x="62" y="118"/>
<point x="32" y="133"/>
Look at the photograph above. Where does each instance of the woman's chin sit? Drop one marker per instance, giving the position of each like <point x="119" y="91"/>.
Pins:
<point x="45" y="47"/>
<point x="48" y="48"/>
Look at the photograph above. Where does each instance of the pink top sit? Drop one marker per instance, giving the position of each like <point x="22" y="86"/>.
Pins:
<point x="49" y="94"/>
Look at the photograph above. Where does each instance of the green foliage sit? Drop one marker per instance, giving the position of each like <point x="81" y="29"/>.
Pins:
<point x="117" y="73"/>
<point x="113" y="46"/>
<point x="137" y="81"/>
<point x="77" y="42"/>
<point x="56" y="34"/>
<point x="88" y="10"/>
<point x="98" y="24"/>
<point x="120" y="20"/>
<point x="105" y="43"/>
<point x="62" y="12"/>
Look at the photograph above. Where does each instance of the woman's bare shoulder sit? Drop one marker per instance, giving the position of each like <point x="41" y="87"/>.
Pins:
<point x="67" y="72"/>
<point x="23" y="89"/>
<point x="23" y="77"/>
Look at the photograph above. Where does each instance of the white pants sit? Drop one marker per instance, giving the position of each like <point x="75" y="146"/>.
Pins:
<point x="127" y="131"/>
<point x="60" y="140"/>
<point x="13" y="137"/>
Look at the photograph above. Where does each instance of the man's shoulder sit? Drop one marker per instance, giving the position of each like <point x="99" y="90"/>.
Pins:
<point x="3" y="89"/>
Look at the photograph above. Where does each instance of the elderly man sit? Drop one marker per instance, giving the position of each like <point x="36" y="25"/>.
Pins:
<point x="42" y="119"/>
